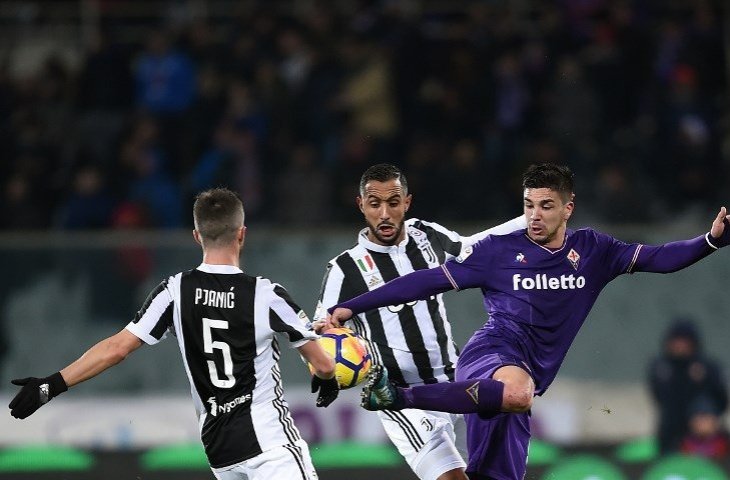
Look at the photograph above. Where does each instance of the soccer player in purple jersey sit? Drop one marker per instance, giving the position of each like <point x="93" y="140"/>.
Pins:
<point x="539" y="285"/>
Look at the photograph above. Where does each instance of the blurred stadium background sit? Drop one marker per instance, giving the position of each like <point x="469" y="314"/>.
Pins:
<point x="114" y="113"/>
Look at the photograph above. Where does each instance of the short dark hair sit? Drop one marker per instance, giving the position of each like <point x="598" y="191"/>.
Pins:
<point x="382" y="172"/>
<point x="552" y="176"/>
<point x="218" y="214"/>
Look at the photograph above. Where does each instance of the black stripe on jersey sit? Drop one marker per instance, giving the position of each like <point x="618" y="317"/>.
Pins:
<point x="408" y="429"/>
<point x="298" y="457"/>
<point x="164" y="323"/>
<point x="281" y="291"/>
<point x="419" y="263"/>
<point x="353" y="283"/>
<point x="278" y="403"/>
<point x="408" y="321"/>
<point x="438" y="238"/>
<point x="279" y="325"/>
<point x="150" y="298"/>
<point x="355" y="287"/>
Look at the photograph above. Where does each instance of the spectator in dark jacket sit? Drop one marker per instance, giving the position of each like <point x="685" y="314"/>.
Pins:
<point x="678" y="378"/>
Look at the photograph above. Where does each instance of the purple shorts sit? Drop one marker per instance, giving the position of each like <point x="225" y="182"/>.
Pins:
<point x="497" y="446"/>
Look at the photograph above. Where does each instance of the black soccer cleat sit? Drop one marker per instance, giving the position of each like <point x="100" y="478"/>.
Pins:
<point x="379" y="393"/>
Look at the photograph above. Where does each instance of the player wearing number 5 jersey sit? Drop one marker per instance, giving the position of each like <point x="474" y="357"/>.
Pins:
<point x="226" y="323"/>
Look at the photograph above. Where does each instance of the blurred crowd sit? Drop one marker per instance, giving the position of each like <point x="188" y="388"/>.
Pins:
<point x="288" y="102"/>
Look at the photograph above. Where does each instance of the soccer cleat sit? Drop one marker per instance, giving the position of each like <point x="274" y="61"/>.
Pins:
<point x="379" y="393"/>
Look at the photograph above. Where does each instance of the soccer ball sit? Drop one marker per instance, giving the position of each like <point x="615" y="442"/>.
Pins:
<point x="352" y="360"/>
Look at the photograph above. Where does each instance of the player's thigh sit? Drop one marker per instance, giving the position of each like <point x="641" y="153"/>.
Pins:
<point x="426" y="440"/>
<point x="290" y="462"/>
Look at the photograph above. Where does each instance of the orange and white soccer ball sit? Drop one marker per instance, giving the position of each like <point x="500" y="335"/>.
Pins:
<point x="352" y="359"/>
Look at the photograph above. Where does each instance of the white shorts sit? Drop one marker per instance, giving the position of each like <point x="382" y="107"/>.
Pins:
<point x="291" y="462"/>
<point x="431" y="442"/>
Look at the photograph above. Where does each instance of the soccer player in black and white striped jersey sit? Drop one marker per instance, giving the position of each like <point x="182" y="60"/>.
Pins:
<point x="226" y="323"/>
<point x="413" y="341"/>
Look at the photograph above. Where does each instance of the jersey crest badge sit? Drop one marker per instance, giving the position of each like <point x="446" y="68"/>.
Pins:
<point x="520" y="258"/>
<point x="574" y="258"/>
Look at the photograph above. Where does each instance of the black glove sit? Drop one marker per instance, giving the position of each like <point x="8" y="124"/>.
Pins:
<point x="328" y="390"/>
<point x="35" y="393"/>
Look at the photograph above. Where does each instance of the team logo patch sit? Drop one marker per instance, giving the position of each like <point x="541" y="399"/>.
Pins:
<point x="574" y="258"/>
<point x="366" y="264"/>
<point x="473" y="392"/>
<point x="465" y="254"/>
<point x="520" y="258"/>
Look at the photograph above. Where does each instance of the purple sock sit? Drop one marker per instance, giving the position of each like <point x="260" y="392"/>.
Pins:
<point x="482" y="396"/>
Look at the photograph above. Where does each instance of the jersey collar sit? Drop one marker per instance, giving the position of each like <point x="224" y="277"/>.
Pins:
<point x="208" y="268"/>
<point x="364" y="241"/>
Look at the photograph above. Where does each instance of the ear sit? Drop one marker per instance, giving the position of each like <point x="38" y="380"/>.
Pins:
<point x="569" y="207"/>
<point x="241" y="235"/>
<point x="359" y="202"/>
<point x="196" y="236"/>
<point x="407" y="201"/>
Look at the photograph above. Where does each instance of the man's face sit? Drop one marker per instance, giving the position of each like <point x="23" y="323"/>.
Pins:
<point x="546" y="216"/>
<point x="384" y="205"/>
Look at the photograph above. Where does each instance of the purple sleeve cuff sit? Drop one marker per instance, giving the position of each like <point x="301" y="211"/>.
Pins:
<point x="418" y="285"/>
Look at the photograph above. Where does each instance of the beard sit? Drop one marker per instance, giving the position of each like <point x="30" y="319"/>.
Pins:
<point x="390" y="238"/>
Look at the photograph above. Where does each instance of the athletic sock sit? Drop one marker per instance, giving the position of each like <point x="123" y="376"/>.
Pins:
<point x="482" y="396"/>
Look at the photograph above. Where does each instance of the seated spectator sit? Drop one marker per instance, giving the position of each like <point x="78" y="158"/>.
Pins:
<point x="678" y="378"/>
<point x="707" y="435"/>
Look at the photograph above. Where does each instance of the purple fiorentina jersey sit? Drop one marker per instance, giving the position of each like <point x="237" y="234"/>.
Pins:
<point x="538" y="298"/>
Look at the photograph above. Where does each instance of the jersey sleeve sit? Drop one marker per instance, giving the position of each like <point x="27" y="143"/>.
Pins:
<point x="154" y="319"/>
<point x="623" y="257"/>
<point x="287" y="318"/>
<point x="618" y="257"/>
<point x="331" y="291"/>
<point x="449" y="240"/>
<point x="471" y="268"/>
<point x="517" y="223"/>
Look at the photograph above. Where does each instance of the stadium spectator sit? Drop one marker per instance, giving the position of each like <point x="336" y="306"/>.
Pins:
<point x="369" y="83"/>
<point x="707" y="436"/>
<point x="89" y="204"/>
<point x="679" y="378"/>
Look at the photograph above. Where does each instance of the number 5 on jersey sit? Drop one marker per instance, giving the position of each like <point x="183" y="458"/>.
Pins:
<point x="209" y="345"/>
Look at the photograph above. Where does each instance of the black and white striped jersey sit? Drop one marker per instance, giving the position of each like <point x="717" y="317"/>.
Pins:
<point x="226" y="324"/>
<point x="413" y="340"/>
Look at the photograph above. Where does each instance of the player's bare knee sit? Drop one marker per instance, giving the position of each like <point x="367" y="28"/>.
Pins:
<point x="517" y="399"/>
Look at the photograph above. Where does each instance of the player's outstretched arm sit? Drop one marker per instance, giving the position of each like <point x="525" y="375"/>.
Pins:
<point x="674" y="256"/>
<point x="36" y="392"/>
<point x="418" y="285"/>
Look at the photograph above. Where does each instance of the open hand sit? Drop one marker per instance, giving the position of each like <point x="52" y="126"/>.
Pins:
<point x="720" y="231"/>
